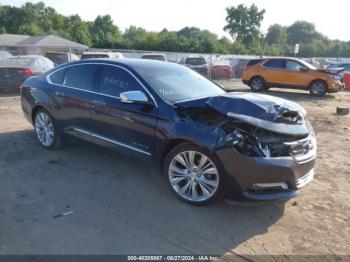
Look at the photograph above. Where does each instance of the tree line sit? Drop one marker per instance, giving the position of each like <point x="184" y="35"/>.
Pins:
<point x="243" y="24"/>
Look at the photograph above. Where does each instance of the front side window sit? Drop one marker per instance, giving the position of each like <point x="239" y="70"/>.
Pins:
<point x="293" y="66"/>
<point x="81" y="76"/>
<point x="115" y="80"/>
<point x="275" y="63"/>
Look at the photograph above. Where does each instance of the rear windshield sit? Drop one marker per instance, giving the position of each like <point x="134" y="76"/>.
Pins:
<point x="195" y="61"/>
<point x="16" y="62"/>
<point x="89" y="56"/>
<point x="154" y="57"/>
<point x="57" y="58"/>
<point x="254" y="62"/>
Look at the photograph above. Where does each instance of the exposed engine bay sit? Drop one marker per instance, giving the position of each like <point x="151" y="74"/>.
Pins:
<point x="266" y="127"/>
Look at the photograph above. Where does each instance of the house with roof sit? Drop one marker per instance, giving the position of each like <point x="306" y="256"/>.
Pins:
<point x="36" y="45"/>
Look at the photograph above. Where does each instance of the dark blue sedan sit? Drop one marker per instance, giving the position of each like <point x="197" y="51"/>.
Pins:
<point x="208" y="143"/>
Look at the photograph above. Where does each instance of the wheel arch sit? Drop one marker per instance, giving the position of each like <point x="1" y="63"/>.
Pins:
<point x="169" y="146"/>
<point x="315" y="80"/>
<point x="35" y="109"/>
<point x="254" y="76"/>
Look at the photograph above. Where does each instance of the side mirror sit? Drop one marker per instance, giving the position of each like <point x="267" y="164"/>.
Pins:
<point x="303" y="69"/>
<point x="134" y="97"/>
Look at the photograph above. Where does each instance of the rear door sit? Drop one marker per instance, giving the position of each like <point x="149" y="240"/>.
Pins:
<point x="274" y="71"/>
<point x="74" y="94"/>
<point x="125" y="126"/>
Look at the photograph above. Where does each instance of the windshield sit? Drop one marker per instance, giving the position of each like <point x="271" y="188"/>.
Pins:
<point x="57" y="58"/>
<point x="195" y="61"/>
<point x="89" y="56"/>
<point x="308" y="65"/>
<point x="154" y="57"/>
<point x="176" y="83"/>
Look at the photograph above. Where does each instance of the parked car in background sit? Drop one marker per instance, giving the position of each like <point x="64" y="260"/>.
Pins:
<point x="154" y="56"/>
<point x="238" y="66"/>
<point x="4" y="55"/>
<point x="221" y="70"/>
<point x="14" y="70"/>
<point x="339" y="69"/>
<point x="261" y="74"/>
<point x="198" y="64"/>
<point x="110" y="55"/>
<point x="59" y="58"/>
<point x="207" y="142"/>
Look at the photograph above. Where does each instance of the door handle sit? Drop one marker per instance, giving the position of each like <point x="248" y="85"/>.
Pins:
<point x="98" y="103"/>
<point x="59" y="94"/>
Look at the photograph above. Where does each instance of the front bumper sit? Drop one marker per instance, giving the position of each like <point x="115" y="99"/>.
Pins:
<point x="335" y="86"/>
<point x="243" y="173"/>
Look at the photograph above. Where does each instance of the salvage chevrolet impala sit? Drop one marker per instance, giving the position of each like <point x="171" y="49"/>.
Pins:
<point x="208" y="143"/>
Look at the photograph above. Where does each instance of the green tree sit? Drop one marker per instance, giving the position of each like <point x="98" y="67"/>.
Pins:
<point x="104" y="33"/>
<point x="302" y="32"/>
<point x="78" y="30"/>
<point x="243" y="23"/>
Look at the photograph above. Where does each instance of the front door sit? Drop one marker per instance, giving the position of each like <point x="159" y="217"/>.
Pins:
<point x="125" y="126"/>
<point x="295" y="76"/>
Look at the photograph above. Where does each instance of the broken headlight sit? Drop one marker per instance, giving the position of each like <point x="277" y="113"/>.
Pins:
<point x="248" y="144"/>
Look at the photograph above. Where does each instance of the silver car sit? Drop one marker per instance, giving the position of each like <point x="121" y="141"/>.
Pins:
<point x="14" y="70"/>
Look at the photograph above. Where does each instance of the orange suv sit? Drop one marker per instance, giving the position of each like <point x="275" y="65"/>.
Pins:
<point x="261" y="74"/>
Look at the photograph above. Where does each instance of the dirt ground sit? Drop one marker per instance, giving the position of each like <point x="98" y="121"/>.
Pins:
<point x="122" y="206"/>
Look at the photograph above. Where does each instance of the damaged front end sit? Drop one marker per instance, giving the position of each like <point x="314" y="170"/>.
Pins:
<point x="260" y="125"/>
<point x="266" y="144"/>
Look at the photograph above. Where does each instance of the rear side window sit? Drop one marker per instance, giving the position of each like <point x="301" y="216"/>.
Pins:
<point x="254" y="62"/>
<point x="115" y="80"/>
<point x="81" y="76"/>
<point x="58" y="77"/>
<point x="276" y="63"/>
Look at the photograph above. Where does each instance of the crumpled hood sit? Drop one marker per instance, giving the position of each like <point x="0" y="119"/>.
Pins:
<point x="263" y="111"/>
<point x="267" y="112"/>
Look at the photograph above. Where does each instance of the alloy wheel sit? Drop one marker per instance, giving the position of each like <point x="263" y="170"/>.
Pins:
<point x="318" y="89"/>
<point x="193" y="176"/>
<point x="257" y="84"/>
<point x="44" y="129"/>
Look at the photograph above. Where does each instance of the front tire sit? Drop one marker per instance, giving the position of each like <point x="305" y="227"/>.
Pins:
<point x="45" y="130"/>
<point x="318" y="88"/>
<point x="193" y="175"/>
<point x="257" y="84"/>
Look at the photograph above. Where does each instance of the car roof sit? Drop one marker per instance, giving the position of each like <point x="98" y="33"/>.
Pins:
<point x="26" y="56"/>
<point x="129" y="63"/>
<point x="97" y="53"/>
<point x="153" y="54"/>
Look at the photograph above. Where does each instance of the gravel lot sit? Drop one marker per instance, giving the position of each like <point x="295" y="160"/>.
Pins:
<point x="122" y="206"/>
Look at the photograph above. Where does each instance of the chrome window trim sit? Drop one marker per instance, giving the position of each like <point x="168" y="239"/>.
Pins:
<point x="109" y="140"/>
<point x="89" y="91"/>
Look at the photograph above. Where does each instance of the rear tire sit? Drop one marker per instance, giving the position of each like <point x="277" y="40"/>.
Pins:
<point x="318" y="88"/>
<point x="46" y="133"/>
<point x="192" y="175"/>
<point x="257" y="84"/>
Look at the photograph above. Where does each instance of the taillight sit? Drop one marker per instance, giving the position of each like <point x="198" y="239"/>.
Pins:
<point x="245" y="68"/>
<point x="27" y="72"/>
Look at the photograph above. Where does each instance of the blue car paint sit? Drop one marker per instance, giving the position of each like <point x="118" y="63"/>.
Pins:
<point x="150" y="129"/>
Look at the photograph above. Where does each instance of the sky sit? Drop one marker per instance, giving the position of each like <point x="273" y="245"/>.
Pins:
<point x="330" y="17"/>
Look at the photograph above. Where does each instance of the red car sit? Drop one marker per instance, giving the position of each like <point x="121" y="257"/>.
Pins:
<point x="221" y="71"/>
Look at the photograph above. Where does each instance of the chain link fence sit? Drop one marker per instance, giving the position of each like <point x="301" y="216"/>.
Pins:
<point x="213" y="66"/>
